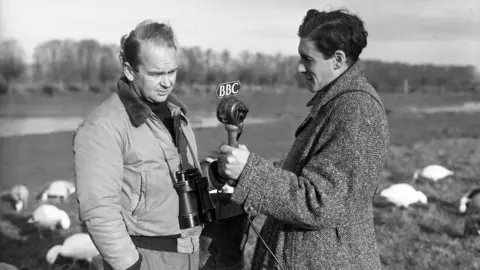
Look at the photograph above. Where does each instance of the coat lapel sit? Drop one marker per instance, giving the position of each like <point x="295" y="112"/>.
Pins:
<point x="335" y="88"/>
<point x="343" y="83"/>
<point x="303" y="124"/>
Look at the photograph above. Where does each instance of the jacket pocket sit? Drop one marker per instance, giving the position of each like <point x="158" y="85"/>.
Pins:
<point x="337" y="233"/>
<point x="342" y="234"/>
<point x="140" y="207"/>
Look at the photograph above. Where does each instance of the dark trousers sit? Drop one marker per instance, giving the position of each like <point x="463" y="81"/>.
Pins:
<point x="221" y="243"/>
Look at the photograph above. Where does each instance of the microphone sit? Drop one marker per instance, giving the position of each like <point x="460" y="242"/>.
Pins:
<point x="231" y="112"/>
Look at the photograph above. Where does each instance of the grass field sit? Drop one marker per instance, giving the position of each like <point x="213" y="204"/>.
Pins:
<point x="422" y="237"/>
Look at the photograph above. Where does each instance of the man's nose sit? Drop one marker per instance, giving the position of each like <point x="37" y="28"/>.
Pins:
<point x="165" y="81"/>
<point x="301" y="68"/>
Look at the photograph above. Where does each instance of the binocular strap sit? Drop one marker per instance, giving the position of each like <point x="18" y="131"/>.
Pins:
<point x="181" y="143"/>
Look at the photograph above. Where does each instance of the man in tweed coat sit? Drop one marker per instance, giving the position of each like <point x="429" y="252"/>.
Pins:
<point x="319" y="203"/>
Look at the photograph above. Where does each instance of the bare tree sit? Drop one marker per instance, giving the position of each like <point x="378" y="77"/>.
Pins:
<point x="12" y="63"/>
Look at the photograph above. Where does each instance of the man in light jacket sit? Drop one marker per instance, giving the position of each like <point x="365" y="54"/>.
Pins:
<point x="319" y="203"/>
<point x="126" y="155"/>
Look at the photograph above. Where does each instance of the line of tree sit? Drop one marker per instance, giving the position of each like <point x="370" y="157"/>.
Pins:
<point x="88" y="63"/>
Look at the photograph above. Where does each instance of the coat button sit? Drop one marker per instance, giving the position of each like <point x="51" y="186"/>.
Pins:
<point x="250" y="208"/>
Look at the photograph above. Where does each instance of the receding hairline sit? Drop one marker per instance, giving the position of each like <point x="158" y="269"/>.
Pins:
<point x="153" y="44"/>
<point x="144" y="25"/>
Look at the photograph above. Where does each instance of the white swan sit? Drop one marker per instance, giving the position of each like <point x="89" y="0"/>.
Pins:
<point x="47" y="216"/>
<point x="432" y="172"/>
<point x="402" y="195"/>
<point x="470" y="200"/>
<point x="19" y="195"/>
<point x="7" y="266"/>
<point x="58" y="188"/>
<point x="78" y="246"/>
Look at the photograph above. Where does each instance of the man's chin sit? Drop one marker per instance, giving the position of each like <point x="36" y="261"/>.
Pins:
<point x="159" y="98"/>
<point x="312" y="88"/>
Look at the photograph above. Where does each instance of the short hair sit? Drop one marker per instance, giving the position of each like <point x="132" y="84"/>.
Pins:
<point x="146" y="31"/>
<point x="335" y="30"/>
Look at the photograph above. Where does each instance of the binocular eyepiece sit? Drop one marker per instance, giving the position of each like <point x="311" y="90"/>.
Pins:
<point x="195" y="204"/>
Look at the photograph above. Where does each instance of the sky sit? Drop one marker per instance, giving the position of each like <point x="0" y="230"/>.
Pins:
<point x="439" y="32"/>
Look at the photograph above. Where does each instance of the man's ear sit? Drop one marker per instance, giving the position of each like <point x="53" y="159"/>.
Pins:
<point x="128" y="71"/>
<point x="339" y="60"/>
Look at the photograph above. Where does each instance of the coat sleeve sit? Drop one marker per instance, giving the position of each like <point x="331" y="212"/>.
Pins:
<point x="319" y="195"/>
<point x="98" y="165"/>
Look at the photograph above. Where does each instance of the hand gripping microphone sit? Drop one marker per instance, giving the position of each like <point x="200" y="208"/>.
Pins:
<point x="231" y="112"/>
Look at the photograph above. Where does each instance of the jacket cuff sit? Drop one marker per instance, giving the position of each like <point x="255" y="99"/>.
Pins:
<point x="248" y="191"/>
<point x="137" y="264"/>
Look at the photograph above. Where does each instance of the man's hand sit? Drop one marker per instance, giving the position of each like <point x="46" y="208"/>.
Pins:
<point x="232" y="160"/>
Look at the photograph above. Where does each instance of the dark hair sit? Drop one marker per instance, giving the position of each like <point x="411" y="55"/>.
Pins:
<point x="335" y="30"/>
<point x="146" y="31"/>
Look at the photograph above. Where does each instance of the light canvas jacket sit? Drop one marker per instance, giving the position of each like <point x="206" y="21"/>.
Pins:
<point x="124" y="162"/>
<point x="319" y="204"/>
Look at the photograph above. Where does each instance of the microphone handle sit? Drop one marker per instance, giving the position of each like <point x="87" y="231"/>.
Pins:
<point x="232" y="141"/>
<point x="232" y="135"/>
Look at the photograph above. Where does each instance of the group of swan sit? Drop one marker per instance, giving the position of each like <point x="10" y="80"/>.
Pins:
<point x="19" y="194"/>
<point x="403" y="194"/>
<point x="78" y="246"/>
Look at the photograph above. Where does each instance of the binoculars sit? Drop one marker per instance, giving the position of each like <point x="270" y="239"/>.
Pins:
<point x="195" y="204"/>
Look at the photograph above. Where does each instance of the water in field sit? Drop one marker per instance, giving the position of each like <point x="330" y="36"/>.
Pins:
<point x="10" y="127"/>
<point x="467" y="107"/>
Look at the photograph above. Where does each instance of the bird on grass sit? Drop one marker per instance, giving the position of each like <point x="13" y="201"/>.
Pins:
<point x="432" y="172"/>
<point x="78" y="246"/>
<point x="403" y="195"/>
<point x="59" y="189"/>
<point x="48" y="216"/>
<point x="7" y="266"/>
<point x="471" y="200"/>
<point x="18" y="196"/>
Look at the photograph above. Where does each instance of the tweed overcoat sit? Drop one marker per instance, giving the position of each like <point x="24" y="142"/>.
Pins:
<point x="319" y="204"/>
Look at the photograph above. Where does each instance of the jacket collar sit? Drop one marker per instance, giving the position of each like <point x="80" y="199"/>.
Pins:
<point x="341" y="84"/>
<point x="139" y="111"/>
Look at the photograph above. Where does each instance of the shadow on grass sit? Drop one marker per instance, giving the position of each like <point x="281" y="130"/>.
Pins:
<point x="8" y="199"/>
<point x="447" y="207"/>
<point x="429" y="229"/>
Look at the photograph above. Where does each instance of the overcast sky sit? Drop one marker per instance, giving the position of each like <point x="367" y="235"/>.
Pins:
<point x="413" y="31"/>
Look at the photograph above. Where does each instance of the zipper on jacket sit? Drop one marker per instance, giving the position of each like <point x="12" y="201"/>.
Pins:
<point x="141" y="196"/>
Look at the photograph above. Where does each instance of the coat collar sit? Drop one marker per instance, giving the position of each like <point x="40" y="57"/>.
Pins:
<point x="139" y="111"/>
<point x="341" y="84"/>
